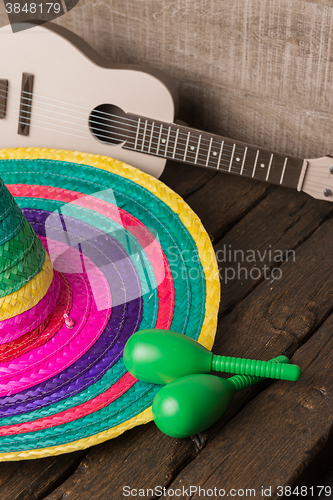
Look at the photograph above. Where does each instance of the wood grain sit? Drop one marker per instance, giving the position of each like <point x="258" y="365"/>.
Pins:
<point x="270" y="320"/>
<point x="274" y="439"/>
<point x="128" y="461"/>
<point x="33" y="479"/>
<point x="255" y="70"/>
<point x="256" y="247"/>
<point x="261" y="72"/>
<point x="287" y="428"/>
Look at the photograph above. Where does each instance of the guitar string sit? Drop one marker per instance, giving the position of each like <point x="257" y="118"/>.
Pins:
<point x="219" y="165"/>
<point x="222" y="164"/>
<point x="136" y="122"/>
<point x="86" y="110"/>
<point x="221" y="168"/>
<point x="201" y="154"/>
<point x="250" y="155"/>
<point x="318" y="186"/>
<point x="185" y="134"/>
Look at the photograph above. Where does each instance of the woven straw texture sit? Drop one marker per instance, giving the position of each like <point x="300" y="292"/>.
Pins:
<point x="15" y="249"/>
<point x="17" y="326"/>
<point x="134" y="230"/>
<point x="29" y="294"/>
<point x="47" y="329"/>
<point x="14" y="277"/>
<point x="24" y="262"/>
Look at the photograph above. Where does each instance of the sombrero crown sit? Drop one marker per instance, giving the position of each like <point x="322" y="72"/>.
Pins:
<point x="26" y="272"/>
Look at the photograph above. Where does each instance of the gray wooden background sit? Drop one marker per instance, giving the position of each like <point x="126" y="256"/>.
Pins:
<point x="260" y="71"/>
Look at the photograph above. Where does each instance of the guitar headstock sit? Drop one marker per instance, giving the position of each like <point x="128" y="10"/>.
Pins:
<point x="317" y="178"/>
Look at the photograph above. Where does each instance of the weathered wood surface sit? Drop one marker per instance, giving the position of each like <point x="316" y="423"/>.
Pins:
<point x="260" y="72"/>
<point x="291" y="315"/>
<point x="253" y="70"/>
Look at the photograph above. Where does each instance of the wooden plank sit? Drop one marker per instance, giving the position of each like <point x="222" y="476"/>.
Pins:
<point x="33" y="479"/>
<point x="141" y="456"/>
<point x="259" y="72"/>
<point x="256" y="247"/>
<point x="265" y="442"/>
<point x="185" y="179"/>
<point x="270" y="320"/>
<point x="224" y="200"/>
<point x="287" y="311"/>
<point x="281" y="437"/>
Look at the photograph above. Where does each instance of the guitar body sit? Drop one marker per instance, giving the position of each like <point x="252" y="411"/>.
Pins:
<point x="66" y="70"/>
<point x="58" y="92"/>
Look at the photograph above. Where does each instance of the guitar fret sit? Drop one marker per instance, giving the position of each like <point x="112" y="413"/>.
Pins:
<point x="220" y="155"/>
<point x="198" y="146"/>
<point x="174" y="148"/>
<point x="269" y="167"/>
<point x="167" y="142"/>
<point x="242" y="168"/>
<point x="283" y="170"/>
<point x="181" y="143"/>
<point x="255" y="163"/>
<point x="232" y="157"/>
<point x="137" y="134"/>
<point x="159" y="139"/>
<point x="209" y="150"/>
<point x="186" y="147"/>
<point x="151" y="136"/>
<point x="144" y="136"/>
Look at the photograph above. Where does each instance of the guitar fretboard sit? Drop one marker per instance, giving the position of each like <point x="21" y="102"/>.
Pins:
<point x="191" y="146"/>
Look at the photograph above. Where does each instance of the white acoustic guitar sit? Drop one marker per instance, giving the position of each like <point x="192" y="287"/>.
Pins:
<point x="77" y="100"/>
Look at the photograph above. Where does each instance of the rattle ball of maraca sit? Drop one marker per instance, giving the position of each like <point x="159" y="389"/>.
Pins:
<point x="160" y="356"/>
<point x="191" y="404"/>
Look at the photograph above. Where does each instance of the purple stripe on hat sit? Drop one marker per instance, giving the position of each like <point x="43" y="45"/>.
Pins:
<point x="107" y="253"/>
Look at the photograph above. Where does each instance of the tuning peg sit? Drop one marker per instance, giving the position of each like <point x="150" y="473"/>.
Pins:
<point x="161" y="356"/>
<point x="193" y="403"/>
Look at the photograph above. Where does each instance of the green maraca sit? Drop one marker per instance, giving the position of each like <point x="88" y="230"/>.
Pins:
<point x="193" y="403"/>
<point x="161" y="356"/>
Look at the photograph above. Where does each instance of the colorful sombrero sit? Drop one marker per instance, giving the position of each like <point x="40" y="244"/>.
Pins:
<point x="91" y="251"/>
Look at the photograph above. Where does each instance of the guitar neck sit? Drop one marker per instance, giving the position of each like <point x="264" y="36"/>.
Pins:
<point x="194" y="147"/>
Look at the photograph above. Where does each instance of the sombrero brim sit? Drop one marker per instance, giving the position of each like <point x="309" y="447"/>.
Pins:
<point x="133" y="256"/>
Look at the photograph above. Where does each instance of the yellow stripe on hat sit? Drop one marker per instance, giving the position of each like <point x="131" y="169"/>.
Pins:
<point x="29" y="294"/>
<point x="207" y="257"/>
<point x="142" y="418"/>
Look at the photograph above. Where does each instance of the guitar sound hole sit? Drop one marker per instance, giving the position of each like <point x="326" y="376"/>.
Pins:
<point x="109" y="124"/>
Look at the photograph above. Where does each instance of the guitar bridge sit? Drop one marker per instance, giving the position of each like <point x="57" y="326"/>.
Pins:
<point x="3" y="97"/>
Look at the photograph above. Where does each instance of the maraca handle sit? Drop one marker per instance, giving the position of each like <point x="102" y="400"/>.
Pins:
<point x="241" y="382"/>
<point x="264" y="369"/>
